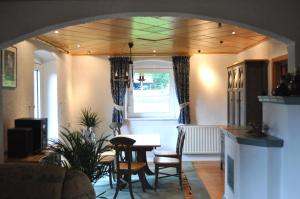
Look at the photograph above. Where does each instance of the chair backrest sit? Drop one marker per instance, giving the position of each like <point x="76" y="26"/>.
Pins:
<point x="123" y="145"/>
<point x="181" y="145"/>
<point x="116" y="127"/>
<point x="180" y="131"/>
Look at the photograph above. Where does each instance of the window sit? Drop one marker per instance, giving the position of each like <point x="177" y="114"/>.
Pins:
<point x="152" y="94"/>
<point x="37" y="92"/>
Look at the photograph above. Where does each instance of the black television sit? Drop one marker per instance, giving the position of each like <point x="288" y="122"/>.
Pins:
<point x="39" y="132"/>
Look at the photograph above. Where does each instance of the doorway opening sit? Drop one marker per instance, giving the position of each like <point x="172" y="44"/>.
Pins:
<point x="45" y="90"/>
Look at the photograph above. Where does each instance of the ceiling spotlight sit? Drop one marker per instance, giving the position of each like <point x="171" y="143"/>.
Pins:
<point x="219" y="25"/>
<point x="221" y="42"/>
<point x="233" y="32"/>
<point x="154" y="51"/>
<point x="56" y="31"/>
<point x="78" y="45"/>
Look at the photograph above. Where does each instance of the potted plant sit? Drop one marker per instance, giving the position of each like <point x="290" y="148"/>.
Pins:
<point x="90" y="120"/>
<point x="79" y="153"/>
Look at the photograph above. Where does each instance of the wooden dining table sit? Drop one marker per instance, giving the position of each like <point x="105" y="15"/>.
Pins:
<point x="144" y="143"/>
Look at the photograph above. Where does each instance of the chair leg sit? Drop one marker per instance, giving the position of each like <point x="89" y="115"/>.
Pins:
<point x="110" y="175"/>
<point x="156" y="177"/>
<point x="130" y="186"/>
<point x="113" y="171"/>
<point x="180" y="177"/>
<point x="117" y="186"/>
<point x="141" y="174"/>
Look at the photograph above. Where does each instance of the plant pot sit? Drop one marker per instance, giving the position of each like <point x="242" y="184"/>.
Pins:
<point x="90" y="134"/>
<point x="281" y="90"/>
<point x="295" y="85"/>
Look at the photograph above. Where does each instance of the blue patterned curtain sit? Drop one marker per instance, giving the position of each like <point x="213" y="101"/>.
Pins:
<point x="181" y="69"/>
<point x="119" y="66"/>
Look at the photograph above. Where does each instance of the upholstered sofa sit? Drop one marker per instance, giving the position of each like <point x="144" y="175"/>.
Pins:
<point x="36" y="181"/>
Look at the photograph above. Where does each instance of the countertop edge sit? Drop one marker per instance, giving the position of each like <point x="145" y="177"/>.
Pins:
<point x="247" y="139"/>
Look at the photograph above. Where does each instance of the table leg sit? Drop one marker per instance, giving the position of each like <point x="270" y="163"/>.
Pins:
<point x="141" y="157"/>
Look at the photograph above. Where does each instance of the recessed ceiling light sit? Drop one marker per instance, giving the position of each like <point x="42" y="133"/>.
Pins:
<point x="154" y="51"/>
<point x="56" y="31"/>
<point x="233" y="32"/>
<point x="78" y="45"/>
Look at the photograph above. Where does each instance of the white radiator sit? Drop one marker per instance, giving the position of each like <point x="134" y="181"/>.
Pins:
<point x="200" y="139"/>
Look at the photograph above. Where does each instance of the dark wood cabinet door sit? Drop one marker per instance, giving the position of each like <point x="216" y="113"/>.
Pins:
<point x="231" y="107"/>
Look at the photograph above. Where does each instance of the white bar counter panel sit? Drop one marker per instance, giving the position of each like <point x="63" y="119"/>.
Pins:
<point x="252" y="167"/>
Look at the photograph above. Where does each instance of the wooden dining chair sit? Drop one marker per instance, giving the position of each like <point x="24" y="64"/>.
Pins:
<point x="108" y="158"/>
<point x="125" y="167"/>
<point x="162" y="153"/>
<point x="167" y="162"/>
<point x="116" y="127"/>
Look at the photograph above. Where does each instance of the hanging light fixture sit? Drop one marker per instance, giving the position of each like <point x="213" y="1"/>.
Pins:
<point x="125" y="78"/>
<point x="130" y="45"/>
<point x="141" y="76"/>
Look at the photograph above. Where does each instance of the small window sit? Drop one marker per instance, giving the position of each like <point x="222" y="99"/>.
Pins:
<point x="152" y="94"/>
<point x="37" y="91"/>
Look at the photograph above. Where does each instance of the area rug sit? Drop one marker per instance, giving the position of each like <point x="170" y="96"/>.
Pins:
<point x="169" y="187"/>
<point x="197" y="188"/>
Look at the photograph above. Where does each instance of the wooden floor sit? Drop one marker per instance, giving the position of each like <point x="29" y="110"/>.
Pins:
<point x="212" y="177"/>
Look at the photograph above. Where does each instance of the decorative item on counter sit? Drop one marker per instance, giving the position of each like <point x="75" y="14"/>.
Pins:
<point x="265" y="129"/>
<point x="258" y="131"/>
<point x="295" y="84"/>
<point x="282" y="89"/>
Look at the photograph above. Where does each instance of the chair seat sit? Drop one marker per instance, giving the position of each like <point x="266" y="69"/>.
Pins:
<point x="135" y="166"/>
<point x="107" y="159"/>
<point x="108" y="153"/>
<point x="165" y="153"/>
<point x="166" y="161"/>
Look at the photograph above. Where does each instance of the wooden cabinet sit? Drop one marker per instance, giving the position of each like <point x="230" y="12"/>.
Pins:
<point x="246" y="81"/>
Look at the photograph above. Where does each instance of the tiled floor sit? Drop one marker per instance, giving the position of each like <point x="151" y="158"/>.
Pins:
<point x="211" y="176"/>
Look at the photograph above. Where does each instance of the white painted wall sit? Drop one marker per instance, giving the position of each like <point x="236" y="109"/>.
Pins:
<point x="208" y="88"/>
<point x="18" y="102"/>
<point x="91" y="88"/>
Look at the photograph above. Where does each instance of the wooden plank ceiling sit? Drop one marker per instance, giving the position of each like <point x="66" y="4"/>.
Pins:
<point x="152" y="35"/>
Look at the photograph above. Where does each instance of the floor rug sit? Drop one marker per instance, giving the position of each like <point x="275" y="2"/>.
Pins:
<point x="167" y="187"/>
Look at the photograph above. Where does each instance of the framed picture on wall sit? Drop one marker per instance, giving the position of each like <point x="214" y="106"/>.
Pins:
<point x="9" y="67"/>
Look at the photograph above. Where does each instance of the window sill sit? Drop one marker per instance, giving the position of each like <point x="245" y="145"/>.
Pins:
<point x="151" y="119"/>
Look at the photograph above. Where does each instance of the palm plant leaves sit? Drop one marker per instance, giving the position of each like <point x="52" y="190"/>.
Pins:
<point x="81" y="154"/>
<point x="89" y="118"/>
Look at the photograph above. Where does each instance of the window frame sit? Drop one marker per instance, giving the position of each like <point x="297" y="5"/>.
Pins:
<point x="152" y="66"/>
<point x="37" y="90"/>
